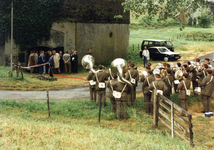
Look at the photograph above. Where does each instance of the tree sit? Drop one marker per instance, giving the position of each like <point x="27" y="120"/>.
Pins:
<point x="205" y="17"/>
<point x="163" y="8"/>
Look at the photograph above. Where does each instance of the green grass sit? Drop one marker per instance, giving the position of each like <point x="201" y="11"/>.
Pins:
<point x="73" y="125"/>
<point x="178" y="38"/>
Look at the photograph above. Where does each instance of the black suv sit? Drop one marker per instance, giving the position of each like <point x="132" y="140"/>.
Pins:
<point x="163" y="53"/>
<point x="157" y="43"/>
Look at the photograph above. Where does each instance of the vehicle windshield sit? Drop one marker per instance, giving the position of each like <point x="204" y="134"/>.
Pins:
<point x="163" y="50"/>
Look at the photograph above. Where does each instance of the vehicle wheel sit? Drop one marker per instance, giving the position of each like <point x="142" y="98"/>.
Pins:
<point x="166" y="59"/>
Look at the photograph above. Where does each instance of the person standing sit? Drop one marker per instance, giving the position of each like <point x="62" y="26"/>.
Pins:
<point x="169" y="81"/>
<point x="158" y="84"/>
<point x="40" y="61"/>
<point x="207" y="91"/>
<point x="132" y="76"/>
<point x="100" y="77"/>
<point x="183" y="88"/>
<point x="31" y="61"/>
<point x="75" y="62"/>
<point x="122" y="98"/>
<point x="56" y="61"/>
<point x="44" y="61"/>
<point x="111" y="96"/>
<point x="61" y="62"/>
<point x="92" y="85"/>
<point x="47" y="56"/>
<point x="36" y="56"/>
<point x="144" y="54"/>
<point x="67" y="62"/>
<point x="147" y="94"/>
<point x="72" y="55"/>
<point x="51" y="61"/>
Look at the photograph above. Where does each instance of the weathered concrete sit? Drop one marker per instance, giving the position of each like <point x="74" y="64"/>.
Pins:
<point x="107" y="41"/>
<point x="2" y="55"/>
<point x="62" y="35"/>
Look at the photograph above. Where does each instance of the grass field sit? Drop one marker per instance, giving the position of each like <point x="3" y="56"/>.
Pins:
<point x="189" y="49"/>
<point x="74" y="125"/>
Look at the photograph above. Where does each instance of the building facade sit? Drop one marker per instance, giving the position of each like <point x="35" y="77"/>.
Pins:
<point x="84" y="24"/>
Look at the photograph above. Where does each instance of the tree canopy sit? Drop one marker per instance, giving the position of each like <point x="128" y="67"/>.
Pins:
<point x="163" y="8"/>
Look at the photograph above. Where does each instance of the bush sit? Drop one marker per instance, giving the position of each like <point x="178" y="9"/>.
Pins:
<point x="149" y="21"/>
<point x="205" y="18"/>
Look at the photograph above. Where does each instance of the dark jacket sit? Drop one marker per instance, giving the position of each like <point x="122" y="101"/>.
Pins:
<point x="208" y="87"/>
<point x="182" y="90"/>
<point x="51" y="61"/>
<point x="40" y="61"/>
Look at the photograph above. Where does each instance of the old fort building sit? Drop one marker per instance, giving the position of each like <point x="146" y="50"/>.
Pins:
<point x="84" y="24"/>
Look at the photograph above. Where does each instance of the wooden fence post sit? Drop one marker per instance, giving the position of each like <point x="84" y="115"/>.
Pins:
<point x="155" y="113"/>
<point x="190" y="130"/>
<point x="49" y="115"/>
<point x="138" y="46"/>
<point x="172" y="119"/>
<point x="133" y="47"/>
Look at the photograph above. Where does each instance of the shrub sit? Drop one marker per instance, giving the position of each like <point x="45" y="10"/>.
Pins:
<point x="205" y="18"/>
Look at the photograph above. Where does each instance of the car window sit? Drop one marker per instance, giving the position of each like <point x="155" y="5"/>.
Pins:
<point x="169" y="43"/>
<point x="163" y="50"/>
<point x="150" y="43"/>
<point x="163" y="43"/>
<point x="157" y="43"/>
<point x="153" y="50"/>
<point x="145" y="43"/>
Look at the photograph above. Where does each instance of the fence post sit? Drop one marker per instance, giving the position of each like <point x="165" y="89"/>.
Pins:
<point x="49" y="115"/>
<point x="155" y="113"/>
<point x="190" y="131"/>
<point x="100" y="106"/>
<point x="138" y="47"/>
<point x="172" y="119"/>
<point x="133" y="47"/>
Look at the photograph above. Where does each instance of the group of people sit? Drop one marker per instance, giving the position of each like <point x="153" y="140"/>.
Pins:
<point x="166" y="81"/>
<point x="56" y="62"/>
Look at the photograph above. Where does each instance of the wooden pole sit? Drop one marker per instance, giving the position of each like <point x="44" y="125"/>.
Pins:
<point x="133" y="47"/>
<point x="100" y="106"/>
<point x="190" y="131"/>
<point x="172" y="120"/>
<point x="49" y="114"/>
<point x="155" y="113"/>
<point x="11" y="50"/>
<point x="138" y="46"/>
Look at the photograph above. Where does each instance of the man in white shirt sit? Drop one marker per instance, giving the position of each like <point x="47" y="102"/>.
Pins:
<point x="145" y="55"/>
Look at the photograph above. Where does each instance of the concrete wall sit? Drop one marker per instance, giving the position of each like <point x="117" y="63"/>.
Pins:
<point x="7" y="48"/>
<point x="62" y="35"/>
<point x="107" y="41"/>
<point x="97" y="37"/>
<point x="2" y="56"/>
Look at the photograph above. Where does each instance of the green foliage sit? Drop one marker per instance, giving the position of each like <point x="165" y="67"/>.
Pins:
<point x="164" y="9"/>
<point x="32" y="21"/>
<point x="205" y="18"/>
<point x="199" y="36"/>
<point x="153" y="21"/>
